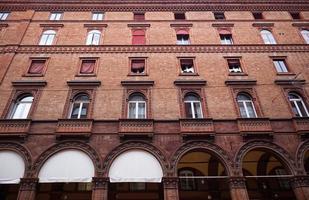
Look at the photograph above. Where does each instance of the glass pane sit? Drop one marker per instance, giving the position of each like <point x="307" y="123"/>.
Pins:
<point x="188" y="110"/>
<point x="197" y="110"/>
<point x="21" y="111"/>
<point x="302" y="109"/>
<point x="242" y="110"/>
<point x="96" y="39"/>
<point x="141" y="110"/>
<point x="250" y="109"/>
<point x="132" y="110"/>
<point x="294" y="109"/>
<point x="243" y="97"/>
<point x="136" y="98"/>
<point x="75" y="111"/>
<point x="43" y="39"/>
<point x="49" y="40"/>
<point x="89" y="39"/>
<point x="191" y="98"/>
<point x="84" y="110"/>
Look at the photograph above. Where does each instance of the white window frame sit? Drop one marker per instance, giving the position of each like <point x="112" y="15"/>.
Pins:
<point x="280" y="66"/>
<point x="268" y="37"/>
<point x="305" y="34"/>
<point x="294" y="102"/>
<point x="226" y="39"/>
<point x="81" y="103"/>
<point x="91" y="37"/>
<point x="97" y="16"/>
<point x="47" y="37"/>
<point x="55" y="16"/>
<point x="4" y="15"/>
<point x="26" y="105"/>
<point x="136" y="104"/>
<point x="244" y="103"/>
<point x="192" y="102"/>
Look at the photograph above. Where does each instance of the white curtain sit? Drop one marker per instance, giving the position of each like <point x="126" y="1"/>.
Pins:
<point x="67" y="166"/>
<point x="12" y="167"/>
<point x="135" y="166"/>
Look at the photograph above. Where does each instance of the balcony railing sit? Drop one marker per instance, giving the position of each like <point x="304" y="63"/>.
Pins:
<point x="74" y="126"/>
<point x="136" y="127"/>
<point x="301" y="124"/>
<point x="196" y="126"/>
<point x="254" y="125"/>
<point x="14" y="126"/>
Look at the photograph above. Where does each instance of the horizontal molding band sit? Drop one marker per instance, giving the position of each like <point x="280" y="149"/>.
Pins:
<point x="83" y="49"/>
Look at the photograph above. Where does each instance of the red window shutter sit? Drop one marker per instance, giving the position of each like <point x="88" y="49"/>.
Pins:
<point x="138" y="64"/>
<point x="37" y="67"/>
<point x="138" y="37"/>
<point x="87" y="67"/>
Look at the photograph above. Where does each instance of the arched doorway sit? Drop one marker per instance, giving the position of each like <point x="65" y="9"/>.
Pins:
<point x="267" y="178"/>
<point x="306" y="162"/>
<point x="67" y="175"/>
<point x="202" y="177"/>
<point x="135" y="174"/>
<point x="12" y="168"/>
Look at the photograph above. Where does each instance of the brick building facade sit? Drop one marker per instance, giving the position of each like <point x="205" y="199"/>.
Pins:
<point x="213" y="92"/>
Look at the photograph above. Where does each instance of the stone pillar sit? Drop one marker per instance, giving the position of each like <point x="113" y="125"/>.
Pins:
<point x="99" y="188"/>
<point x="300" y="185"/>
<point x="27" y="189"/>
<point x="238" y="188"/>
<point x="170" y="188"/>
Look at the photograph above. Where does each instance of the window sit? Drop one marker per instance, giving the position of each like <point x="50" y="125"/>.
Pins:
<point x="187" y="181"/>
<point x="182" y="37"/>
<point x="3" y="15"/>
<point x="179" y="16"/>
<point x="226" y="39"/>
<point x="139" y="16"/>
<point x="21" y="107"/>
<point x="246" y="106"/>
<point x="37" y="67"/>
<point x="87" y="67"/>
<point x="47" y="37"/>
<point x="298" y="106"/>
<point x="138" y="37"/>
<point x="234" y="66"/>
<point x="305" y="34"/>
<point x="97" y="16"/>
<point x="219" y="15"/>
<point x="187" y="66"/>
<point x="280" y="65"/>
<point x="93" y="37"/>
<point x="257" y="15"/>
<point x="138" y="66"/>
<point x="193" y="107"/>
<point x="268" y="37"/>
<point x="55" y="16"/>
<point x="79" y="107"/>
<point x="295" y="15"/>
<point x="136" y="107"/>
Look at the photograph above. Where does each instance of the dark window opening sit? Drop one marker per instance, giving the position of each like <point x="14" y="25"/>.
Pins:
<point x="187" y="66"/>
<point x="257" y="15"/>
<point x="295" y="15"/>
<point x="87" y="67"/>
<point x="138" y="66"/>
<point x="234" y="66"/>
<point x="180" y="16"/>
<point x="219" y="15"/>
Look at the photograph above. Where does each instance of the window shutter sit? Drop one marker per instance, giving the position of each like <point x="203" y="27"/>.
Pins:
<point x="37" y="67"/>
<point x="87" y="67"/>
<point x="138" y="37"/>
<point x="138" y="64"/>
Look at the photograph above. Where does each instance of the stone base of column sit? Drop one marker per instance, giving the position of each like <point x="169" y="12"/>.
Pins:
<point x="170" y="188"/>
<point x="27" y="190"/>
<point x="300" y="185"/>
<point x="238" y="188"/>
<point x="99" y="188"/>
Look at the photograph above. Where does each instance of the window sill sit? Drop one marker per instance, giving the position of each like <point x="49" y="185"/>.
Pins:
<point x="85" y="75"/>
<point x="188" y="74"/>
<point x="285" y="74"/>
<point x="33" y="75"/>
<point x="133" y="74"/>
<point x="238" y="74"/>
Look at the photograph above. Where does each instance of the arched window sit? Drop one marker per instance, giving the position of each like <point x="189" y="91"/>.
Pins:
<point x="137" y="107"/>
<point x="246" y="106"/>
<point x="305" y="34"/>
<point x="22" y="107"/>
<point x="298" y="106"/>
<point x="187" y="181"/>
<point x="193" y="108"/>
<point x="268" y="37"/>
<point x="182" y="37"/>
<point x="93" y="37"/>
<point x="47" y="37"/>
<point x="79" y="107"/>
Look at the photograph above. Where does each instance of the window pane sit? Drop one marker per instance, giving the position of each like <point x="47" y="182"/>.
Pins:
<point x="294" y="109"/>
<point x="305" y="34"/>
<point x="197" y="110"/>
<point x="96" y="39"/>
<point x="43" y="39"/>
<point x="188" y="110"/>
<point x="84" y="110"/>
<point x="250" y="109"/>
<point x="21" y="110"/>
<point x="49" y="40"/>
<point x="75" y="110"/>
<point x="132" y="110"/>
<point x="242" y="110"/>
<point x="183" y="39"/>
<point x="141" y="110"/>
<point x="302" y="109"/>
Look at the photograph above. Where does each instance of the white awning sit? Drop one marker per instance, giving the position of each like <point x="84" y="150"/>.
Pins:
<point x="67" y="166"/>
<point x="135" y="166"/>
<point x="12" y="167"/>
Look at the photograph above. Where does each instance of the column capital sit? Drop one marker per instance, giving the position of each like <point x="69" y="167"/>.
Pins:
<point x="100" y="182"/>
<point x="237" y="182"/>
<point x="300" y="181"/>
<point x="170" y="182"/>
<point x="28" y="184"/>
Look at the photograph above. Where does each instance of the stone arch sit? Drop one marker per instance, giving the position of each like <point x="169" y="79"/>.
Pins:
<point x="300" y="154"/>
<point x="160" y="156"/>
<point x="278" y="151"/>
<point x="77" y="145"/>
<point x="213" y="149"/>
<point x="22" y="151"/>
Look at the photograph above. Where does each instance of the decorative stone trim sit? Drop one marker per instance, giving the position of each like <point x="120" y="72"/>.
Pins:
<point x="301" y="24"/>
<point x="2" y="25"/>
<point x="137" y="83"/>
<point x="84" y="83"/>
<point x="138" y="25"/>
<point x="28" y="184"/>
<point x="190" y="82"/>
<point x="290" y="81"/>
<point x="196" y="126"/>
<point x="237" y="182"/>
<point x="181" y="25"/>
<point x="170" y="182"/>
<point x="74" y="126"/>
<point x="95" y="25"/>
<point x="29" y="83"/>
<point x="100" y="183"/>
<point x="240" y="82"/>
<point x="300" y="181"/>
<point x="254" y="125"/>
<point x="136" y="127"/>
<point x="300" y="156"/>
<point x="263" y="25"/>
<point x="52" y="25"/>
<point x="222" y="25"/>
<point x="14" y="126"/>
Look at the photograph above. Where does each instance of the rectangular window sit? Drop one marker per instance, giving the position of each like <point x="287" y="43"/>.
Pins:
<point x="87" y="67"/>
<point x="295" y="15"/>
<point x="280" y="65"/>
<point x="180" y="16"/>
<point x="219" y="15"/>
<point x="226" y="39"/>
<point x="187" y="66"/>
<point x="97" y="16"/>
<point x="139" y="16"/>
<point x="55" y="16"/>
<point x="138" y="66"/>
<point x="234" y="66"/>
<point x="37" y="67"/>
<point x="3" y="15"/>
<point x="183" y="39"/>
<point x="257" y="15"/>
<point x="138" y="37"/>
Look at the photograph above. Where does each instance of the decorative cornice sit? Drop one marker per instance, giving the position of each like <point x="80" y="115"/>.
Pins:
<point x="290" y="81"/>
<point x="84" y="83"/>
<point x="137" y="83"/>
<point x="301" y="24"/>
<point x="222" y="25"/>
<point x="190" y="82"/>
<point x="240" y="82"/>
<point x="264" y="24"/>
<point x="138" y="25"/>
<point x="27" y="83"/>
<point x="52" y="25"/>
<point x="181" y="25"/>
<point x="95" y="25"/>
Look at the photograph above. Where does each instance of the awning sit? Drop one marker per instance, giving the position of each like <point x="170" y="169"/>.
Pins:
<point x="135" y="166"/>
<point x="67" y="166"/>
<point x="12" y="167"/>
